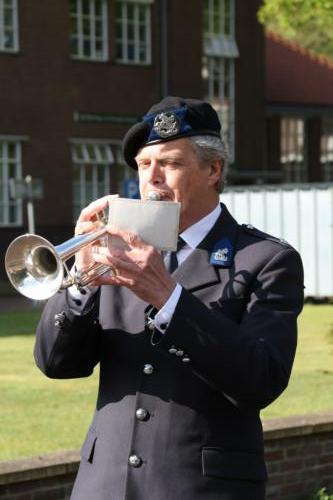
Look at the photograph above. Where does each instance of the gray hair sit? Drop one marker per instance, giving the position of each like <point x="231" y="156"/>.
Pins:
<point x="210" y="148"/>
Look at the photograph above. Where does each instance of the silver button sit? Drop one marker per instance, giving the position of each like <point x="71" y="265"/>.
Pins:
<point x="186" y="359"/>
<point x="135" y="461"/>
<point x="148" y="369"/>
<point x="179" y="353"/>
<point x="249" y="226"/>
<point x="141" y="414"/>
<point x="172" y="350"/>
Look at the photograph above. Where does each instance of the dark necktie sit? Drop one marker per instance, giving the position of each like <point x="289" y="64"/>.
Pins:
<point x="173" y="263"/>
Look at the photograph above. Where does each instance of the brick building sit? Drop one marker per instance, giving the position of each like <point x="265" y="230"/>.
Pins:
<point x="75" y="74"/>
<point x="299" y="108"/>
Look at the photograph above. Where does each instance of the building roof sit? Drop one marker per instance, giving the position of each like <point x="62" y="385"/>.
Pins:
<point x="295" y="75"/>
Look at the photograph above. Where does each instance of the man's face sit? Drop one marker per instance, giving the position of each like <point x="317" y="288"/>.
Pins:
<point x="174" y="171"/>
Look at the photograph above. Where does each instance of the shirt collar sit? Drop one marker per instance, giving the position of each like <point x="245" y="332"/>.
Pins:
<point x="194" y="234"/>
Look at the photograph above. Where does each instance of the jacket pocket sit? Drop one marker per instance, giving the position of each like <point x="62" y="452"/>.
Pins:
<point x="88" y="448"/>
<point x="217" y="462"/>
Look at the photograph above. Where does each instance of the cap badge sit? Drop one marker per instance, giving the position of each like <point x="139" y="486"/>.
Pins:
<point x="222" y="254"/>
<point x="166" y="124"/>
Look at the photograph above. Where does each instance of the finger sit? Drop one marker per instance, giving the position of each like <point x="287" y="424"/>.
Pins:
<point x="83" y="227"/>
<point x="94" y="207"/>
<point x="129" y="237"/>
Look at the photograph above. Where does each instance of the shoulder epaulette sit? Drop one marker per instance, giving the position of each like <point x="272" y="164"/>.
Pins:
<point x="248" y="228"/>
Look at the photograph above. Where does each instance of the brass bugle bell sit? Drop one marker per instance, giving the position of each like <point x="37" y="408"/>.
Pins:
<point x="37" y="268"/>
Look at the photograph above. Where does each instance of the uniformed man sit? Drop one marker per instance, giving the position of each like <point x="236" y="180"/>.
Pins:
<point x="190" y="354"/>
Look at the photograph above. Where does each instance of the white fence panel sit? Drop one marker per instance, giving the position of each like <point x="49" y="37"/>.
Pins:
<point x="302" y="215"/>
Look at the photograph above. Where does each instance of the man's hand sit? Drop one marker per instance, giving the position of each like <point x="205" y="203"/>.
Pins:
<point x="86" y="223"/>
<point x="137" y="266"/>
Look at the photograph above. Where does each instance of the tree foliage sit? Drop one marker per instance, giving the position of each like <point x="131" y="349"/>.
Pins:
<point x="307" y="22"/>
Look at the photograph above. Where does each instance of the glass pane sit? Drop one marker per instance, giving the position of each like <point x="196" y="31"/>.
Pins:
<point x="99" y="48"/>
<point x="11" y="151"/>
<point x="86" y="26"/>
<point x="8" y="18"/>
<point x="91" y="152"/>
<point x="119" y="51"/>
<point x="119" y="10"/>
<point x="143" y="13"/>
<point x="86" y="47"/>
<point x="12" y="171"/>
<point x="142" y="34"/>
<point x="73" y="6"/>
<point x="12" y="213"/>
<point x="130" y="12"/>
<point x="98" y="7"/>
<point x="227" y="17"/>
<point x="8" y="40"/>
<point x="119" y="31"/>
<point x="99" y="28"/>
<point x="85" y="7"/>
<point x="131" y="52"/>
<point x="130" y="32"/>
<point x="103" y="153"/>
<point x="73" y="25"/>
<point x="142" y="53"/>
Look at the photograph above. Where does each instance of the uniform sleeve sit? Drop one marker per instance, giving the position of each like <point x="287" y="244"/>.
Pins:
<point x="67" y="344"/>
<point x="249" y="362"/>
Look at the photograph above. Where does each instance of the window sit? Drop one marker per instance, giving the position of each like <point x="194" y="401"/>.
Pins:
<point x="89" y="29"/>
<point x="8" y="26"/>
<point x="218" y="71"/>
<point x="292" y="150"/>
<point x="99" y="169"/>
<point x="326" y="154"/>
<point x="10" y="168"/>
<point x="133" y="32"/>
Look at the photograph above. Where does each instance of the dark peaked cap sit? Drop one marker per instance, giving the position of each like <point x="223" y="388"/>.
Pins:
<point x="172" y="118"/>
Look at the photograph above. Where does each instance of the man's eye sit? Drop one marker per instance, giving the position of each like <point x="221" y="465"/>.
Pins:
<point x="143" y="164"/>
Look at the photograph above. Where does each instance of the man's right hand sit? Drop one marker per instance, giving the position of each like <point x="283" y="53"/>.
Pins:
<point x="87" y="222"/>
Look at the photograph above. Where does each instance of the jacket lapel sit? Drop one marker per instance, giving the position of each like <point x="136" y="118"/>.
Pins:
<point x="197" y="271"/>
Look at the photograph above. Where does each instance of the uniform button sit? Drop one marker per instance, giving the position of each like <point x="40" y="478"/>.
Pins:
<point x="179" y="353"/>
<point x="148" y="369"/>
<point x="186" y="359"/>
<point x="59" y="318"/>
<point x="135" y="461"/>
<point x="172" y="350"/>
<point x="141" y="414"/>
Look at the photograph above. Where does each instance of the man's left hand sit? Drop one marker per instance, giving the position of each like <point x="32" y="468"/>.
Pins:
<point x="137" y="266"/>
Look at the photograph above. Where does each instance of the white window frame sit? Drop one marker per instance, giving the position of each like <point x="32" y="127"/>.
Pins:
<point x="92" y="38"/>
<point x="12" y="4"/>
<point x="292" y="156"/>
<point x="5" y="162"/>
<point x="220" y="49"/>
<point x="124" y="42"/>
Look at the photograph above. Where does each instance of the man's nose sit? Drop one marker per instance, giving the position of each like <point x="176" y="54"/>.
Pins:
<point x="156" y="173"/>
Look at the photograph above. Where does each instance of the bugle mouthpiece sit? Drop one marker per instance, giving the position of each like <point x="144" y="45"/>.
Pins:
<point x="154" y="196"/>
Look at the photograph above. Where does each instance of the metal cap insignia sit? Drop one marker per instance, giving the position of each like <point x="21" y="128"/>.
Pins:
<point x="166" y="124"/>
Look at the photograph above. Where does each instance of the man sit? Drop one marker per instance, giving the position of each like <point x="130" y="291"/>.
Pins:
<point x="187" y="359"/>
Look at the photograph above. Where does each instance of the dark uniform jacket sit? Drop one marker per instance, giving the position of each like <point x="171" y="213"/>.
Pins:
<point x="177" y="415"/>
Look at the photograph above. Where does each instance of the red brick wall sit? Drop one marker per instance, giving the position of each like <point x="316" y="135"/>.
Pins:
<point x="299" y="456"/>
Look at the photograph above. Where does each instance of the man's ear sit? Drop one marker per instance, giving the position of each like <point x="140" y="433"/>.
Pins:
<point x="215" y="171"/>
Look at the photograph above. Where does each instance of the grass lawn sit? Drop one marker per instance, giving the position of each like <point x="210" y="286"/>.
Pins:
<point x="39" y="415"/>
